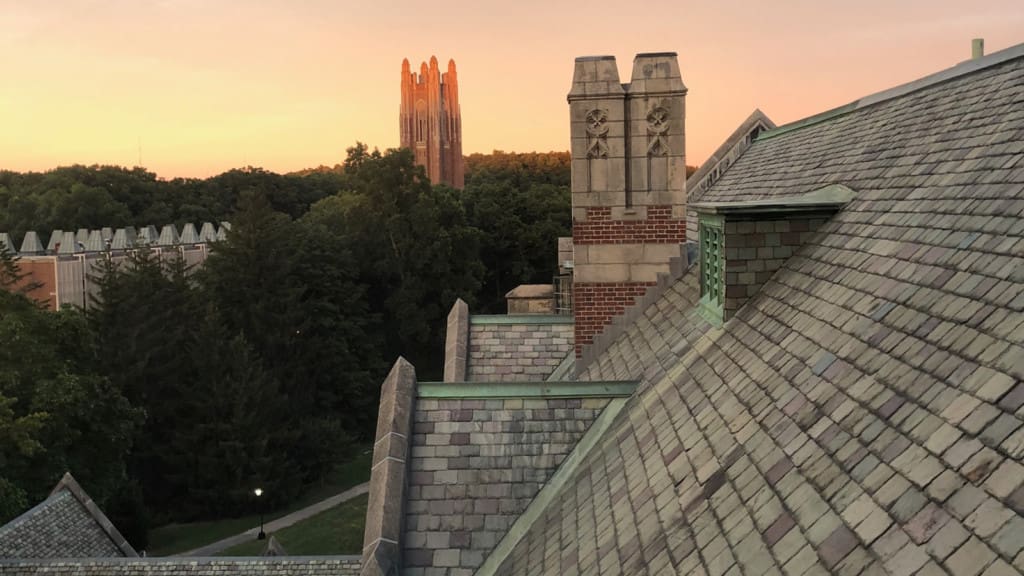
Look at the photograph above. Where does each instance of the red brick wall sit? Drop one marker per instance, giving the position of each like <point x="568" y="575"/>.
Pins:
<point x="594" y="306"/>
<point x="42" y="272"/>
<point x="659" y="228"/>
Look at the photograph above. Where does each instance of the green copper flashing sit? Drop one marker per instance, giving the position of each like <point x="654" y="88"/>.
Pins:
<point x="564" y="368"/>
<point x="712" y="266"/>
<point x="552" y="487"/>
<point x="520" y="319"/>
<point x="572" y="389"/>
<point x="827" y="199"/>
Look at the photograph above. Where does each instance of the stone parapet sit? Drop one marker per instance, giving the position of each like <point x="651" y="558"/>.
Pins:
<point x="385" y="509"/>
<point x="518" y="351"/>
<point x="456" y="342"/>
<point x="480" y="454"/>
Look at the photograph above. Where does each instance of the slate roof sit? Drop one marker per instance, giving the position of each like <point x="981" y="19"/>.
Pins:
<point x="68" y="524"/>
<point x="862" y="414"/>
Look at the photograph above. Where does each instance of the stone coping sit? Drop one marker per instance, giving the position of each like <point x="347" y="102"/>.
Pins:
<point x="827" y="199"/>
<point x="385" y="510"/>
<point x="521" y="319"/>
<point x="564" y="368"/>
<point x="456" y="342"/>
<point x="565" y="389"/>
<point x="531" y="291"/>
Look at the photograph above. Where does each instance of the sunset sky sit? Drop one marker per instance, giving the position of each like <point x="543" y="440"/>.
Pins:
<point x="209" y="85"/>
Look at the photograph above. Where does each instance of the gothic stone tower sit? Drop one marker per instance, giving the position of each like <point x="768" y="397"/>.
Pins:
<point x="628" y="183"/>
<point x="431" y="123"/>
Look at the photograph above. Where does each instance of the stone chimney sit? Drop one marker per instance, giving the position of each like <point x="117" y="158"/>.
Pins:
<point x="628" y="183"/>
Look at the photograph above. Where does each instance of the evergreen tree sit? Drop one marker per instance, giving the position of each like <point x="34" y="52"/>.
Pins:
<point x="416" y="249"/>
<point x="233" y="435"/>
<point x="57" y="413"/>
<point x="142" y="317"/>
<point x="292" y="291"/>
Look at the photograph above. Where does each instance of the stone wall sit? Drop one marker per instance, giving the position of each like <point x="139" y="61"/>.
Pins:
<point x="475" y="466"/>
<point x="503" y="351"/>
<point x="754" y="250"/>
<point x="266" y="566"/>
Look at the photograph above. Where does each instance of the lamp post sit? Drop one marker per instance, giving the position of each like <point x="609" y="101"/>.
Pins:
<point x="259" y="492"/>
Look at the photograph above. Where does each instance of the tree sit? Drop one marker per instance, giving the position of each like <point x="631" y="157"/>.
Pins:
<point x="523" y="202"/>
<point x="233" y="432"/>
<point x="57" y="413"/>
<point x="416" y="248"/>
<point x="142" y="316"/>
<point x="293" y="290"/>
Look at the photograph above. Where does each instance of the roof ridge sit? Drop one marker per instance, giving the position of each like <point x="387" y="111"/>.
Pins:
<point x="694" y="190"/>
<point x="68" y="482"/>
<point x="959" y="70"/>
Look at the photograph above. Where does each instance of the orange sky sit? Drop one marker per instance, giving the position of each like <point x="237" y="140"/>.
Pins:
<point x="208" y="85"/>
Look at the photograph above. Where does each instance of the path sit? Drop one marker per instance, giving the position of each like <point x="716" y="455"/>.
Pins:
<point x="282" y="522"/>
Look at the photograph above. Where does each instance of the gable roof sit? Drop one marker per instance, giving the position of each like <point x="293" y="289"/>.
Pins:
<point x="68" y="524"/>
<point x="862" y="414"/>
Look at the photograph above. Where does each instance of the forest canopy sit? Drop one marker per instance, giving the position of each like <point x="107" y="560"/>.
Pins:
<point x="178" y="389"/>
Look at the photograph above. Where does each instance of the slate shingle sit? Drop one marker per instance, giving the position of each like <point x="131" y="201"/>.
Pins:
<point x="857" y="415"/>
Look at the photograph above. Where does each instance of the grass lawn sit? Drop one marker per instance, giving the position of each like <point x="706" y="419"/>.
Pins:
<point x="335" y="531"/>
<point x="176" y="538"/>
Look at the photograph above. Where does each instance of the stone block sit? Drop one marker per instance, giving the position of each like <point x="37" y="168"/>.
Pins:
<point x="926" y="523"/>
<point x="946" y="540"/>
<point x="1005" y="479"/>
<point x="970" y="559"/>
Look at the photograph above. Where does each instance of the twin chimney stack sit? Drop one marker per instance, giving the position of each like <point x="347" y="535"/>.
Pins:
<point x="628" y="183"/>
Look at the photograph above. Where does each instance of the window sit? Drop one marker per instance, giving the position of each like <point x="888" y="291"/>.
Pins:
<point x="712" y="264"/>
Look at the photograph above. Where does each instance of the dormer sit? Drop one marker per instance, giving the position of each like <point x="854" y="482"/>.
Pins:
<point x="742" y="244"/>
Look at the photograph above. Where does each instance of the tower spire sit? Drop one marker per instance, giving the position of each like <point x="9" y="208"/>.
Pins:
<point x="430" y="121"/>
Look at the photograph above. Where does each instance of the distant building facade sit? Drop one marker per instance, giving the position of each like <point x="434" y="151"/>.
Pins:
<point x="63" y="273"/>
<point x="431" y="123"/>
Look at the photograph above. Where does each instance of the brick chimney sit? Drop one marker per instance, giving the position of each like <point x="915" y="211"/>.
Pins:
<point x="628" y="183"/>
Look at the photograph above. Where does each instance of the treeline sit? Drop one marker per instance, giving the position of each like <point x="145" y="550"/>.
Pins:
<point x="179" y="390"/>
